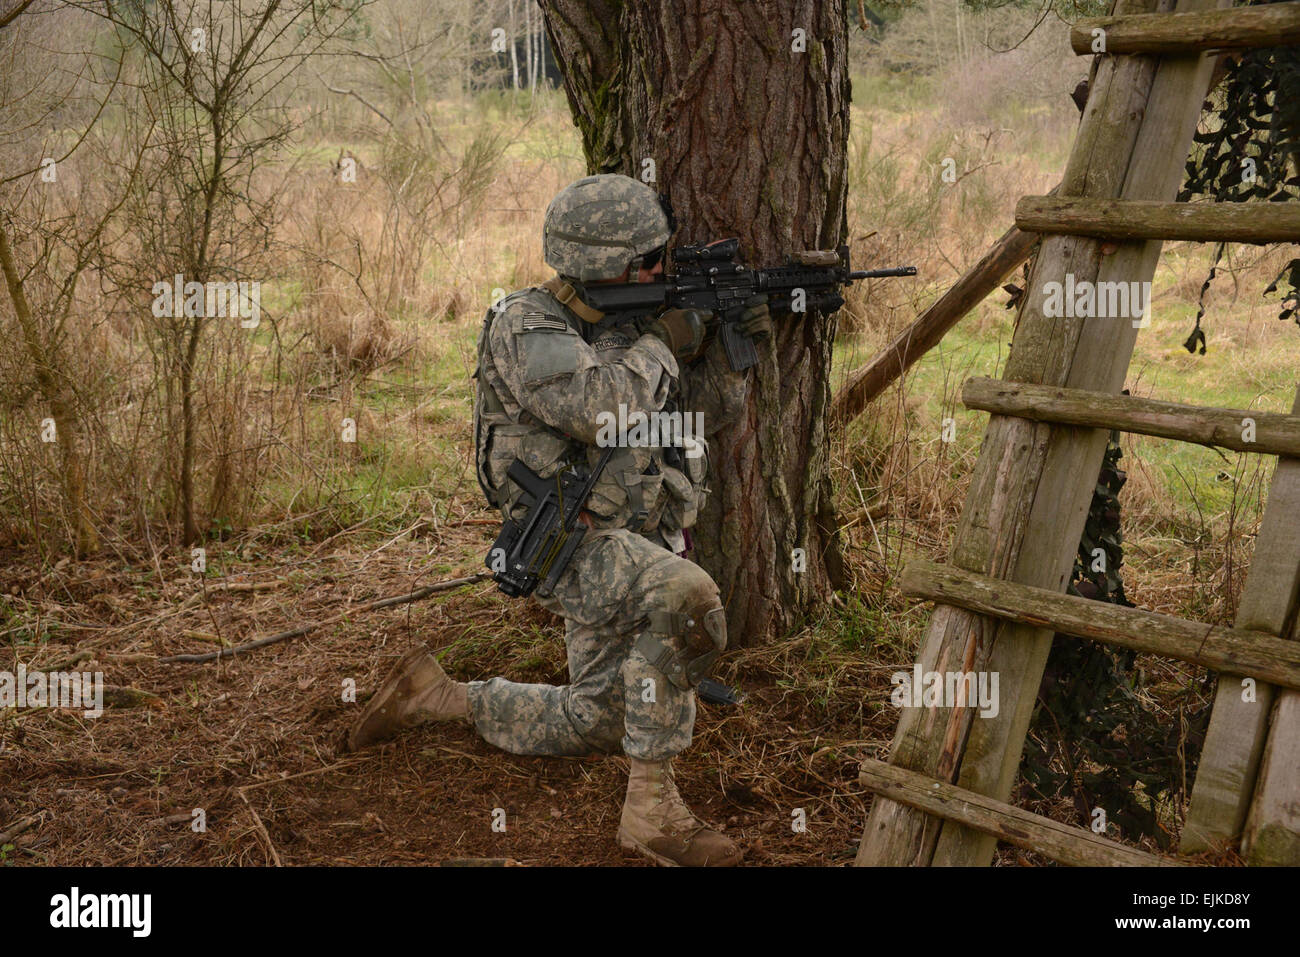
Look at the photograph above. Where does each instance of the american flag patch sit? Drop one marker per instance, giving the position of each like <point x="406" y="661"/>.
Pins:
<point x="540" y="320"/>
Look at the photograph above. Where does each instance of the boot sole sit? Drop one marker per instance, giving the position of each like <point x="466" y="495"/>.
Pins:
<point x="632" y="844"/>
<point x="376" y="704"/>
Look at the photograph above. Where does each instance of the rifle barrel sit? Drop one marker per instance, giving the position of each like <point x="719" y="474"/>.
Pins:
<point x="883" y="273"/>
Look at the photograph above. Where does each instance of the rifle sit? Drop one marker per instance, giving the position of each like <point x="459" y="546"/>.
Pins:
<point x="529" y="555"/>
<point x="708" y="278"/>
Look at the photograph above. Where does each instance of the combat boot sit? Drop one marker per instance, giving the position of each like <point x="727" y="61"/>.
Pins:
<point x="657" y="823"/>
<point x="417" y="690"/>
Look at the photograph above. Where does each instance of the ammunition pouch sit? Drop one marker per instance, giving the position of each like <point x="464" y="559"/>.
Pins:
<point x="685" y="487"/>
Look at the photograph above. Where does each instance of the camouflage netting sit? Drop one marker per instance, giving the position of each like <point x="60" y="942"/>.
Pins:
<point x="1248" y="150"/>
<point x="1092" y="739"/>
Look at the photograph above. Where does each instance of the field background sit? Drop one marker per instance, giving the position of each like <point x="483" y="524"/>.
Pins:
<point x="372" y="301"/>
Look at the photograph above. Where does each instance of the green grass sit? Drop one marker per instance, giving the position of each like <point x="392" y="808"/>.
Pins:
<point x="1246" y="367"/>
<point x="867" y="624"/>
<point x="880" y="90"/>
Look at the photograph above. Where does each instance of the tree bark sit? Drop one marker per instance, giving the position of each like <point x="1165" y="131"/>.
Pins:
<point x="514" y="46"/>
<point x="748" y="138"/>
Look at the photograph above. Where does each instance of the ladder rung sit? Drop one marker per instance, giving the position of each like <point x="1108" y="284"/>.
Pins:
<point x="1274" y="433"/>
<point x="1060" y="842"/>
<point x="1232" y="650"/>
<point x="1143" y="219"/>
<point x="1236" y="28"/>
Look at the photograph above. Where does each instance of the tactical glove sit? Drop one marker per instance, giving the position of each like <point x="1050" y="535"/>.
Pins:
<point x="752" y="317"/>
<point x="682" y="330"/>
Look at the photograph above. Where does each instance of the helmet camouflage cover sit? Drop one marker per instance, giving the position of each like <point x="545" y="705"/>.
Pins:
<point x="595" y="227"/>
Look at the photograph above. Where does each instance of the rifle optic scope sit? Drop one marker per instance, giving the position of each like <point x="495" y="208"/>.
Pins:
<point x="724" y="250"/>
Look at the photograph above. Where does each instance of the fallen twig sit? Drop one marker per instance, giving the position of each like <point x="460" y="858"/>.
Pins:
<point x="270" y="845"/>
<point x="301" y="774"/>
<point x="182" y="817"/>
<point x="206" y="637"/>
<point x="26" y="824"/>
<point x="246" y="586"/>
<point x="311" y="626"/>
<point x="861" y="515"/>
<point x="64" y="664"/>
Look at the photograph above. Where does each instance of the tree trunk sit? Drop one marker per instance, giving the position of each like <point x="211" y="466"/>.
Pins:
<point x="52" y="381"/>
<point x="530" y="28"/>
<point x="189" y="429"/>
<point x="514" y="46"/>
<point x="748" y="134"/>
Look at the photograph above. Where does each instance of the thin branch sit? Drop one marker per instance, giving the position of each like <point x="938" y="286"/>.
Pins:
<point x="13" y="14"/>
<point x="417" y="595"/>
<point x="353" y="93"/>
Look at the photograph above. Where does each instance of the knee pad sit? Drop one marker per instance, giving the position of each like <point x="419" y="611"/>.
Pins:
<point x="688" y="630"/>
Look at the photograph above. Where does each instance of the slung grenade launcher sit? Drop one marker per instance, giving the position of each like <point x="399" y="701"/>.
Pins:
<point x="708" y="278"/>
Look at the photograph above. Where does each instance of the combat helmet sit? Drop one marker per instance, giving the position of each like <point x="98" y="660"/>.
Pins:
<point x="595" y="227"/>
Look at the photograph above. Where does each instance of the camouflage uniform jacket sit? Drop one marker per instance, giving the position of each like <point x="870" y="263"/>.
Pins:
<point x="544" y="377"/>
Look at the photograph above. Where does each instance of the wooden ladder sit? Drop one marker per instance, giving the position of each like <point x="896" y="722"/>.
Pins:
<point x="941" y="799"/>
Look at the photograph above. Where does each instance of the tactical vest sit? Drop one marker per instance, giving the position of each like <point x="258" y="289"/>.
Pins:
<point x="638" y="489"/>
<point x="490" y="415"/>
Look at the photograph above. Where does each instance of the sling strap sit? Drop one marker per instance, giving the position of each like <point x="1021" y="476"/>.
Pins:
<point x="567" y="296"/>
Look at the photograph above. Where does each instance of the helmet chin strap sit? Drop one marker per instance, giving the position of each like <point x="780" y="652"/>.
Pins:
<point x="567" y="296"/>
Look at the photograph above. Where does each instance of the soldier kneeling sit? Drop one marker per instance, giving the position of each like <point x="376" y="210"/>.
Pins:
<point x="643" y="624"/>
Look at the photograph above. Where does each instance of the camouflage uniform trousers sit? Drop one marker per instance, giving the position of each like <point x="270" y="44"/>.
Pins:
<point x="616" y="696"/>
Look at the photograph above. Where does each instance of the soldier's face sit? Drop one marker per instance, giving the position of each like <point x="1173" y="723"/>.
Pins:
<point x="650" y="275"/>
<point x="642" y="275"/>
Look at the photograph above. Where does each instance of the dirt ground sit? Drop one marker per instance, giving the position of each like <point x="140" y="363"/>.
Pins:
<point x="253" y="741"/>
